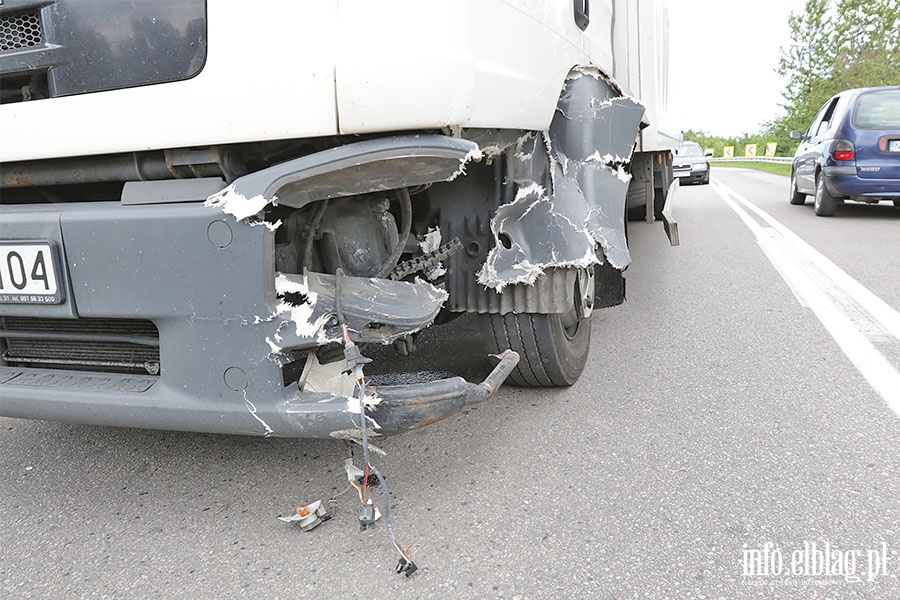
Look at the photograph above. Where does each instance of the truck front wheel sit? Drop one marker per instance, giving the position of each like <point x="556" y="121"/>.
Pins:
<point x="550" y="354"/>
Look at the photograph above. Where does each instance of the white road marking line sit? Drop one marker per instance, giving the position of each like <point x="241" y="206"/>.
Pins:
<point x="875" y="306"/>
<point x="843" y="305"/>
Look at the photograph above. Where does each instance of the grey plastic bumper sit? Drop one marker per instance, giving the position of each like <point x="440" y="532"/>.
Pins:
<point x="134" y="401"/>
<point x="207" y="282"/>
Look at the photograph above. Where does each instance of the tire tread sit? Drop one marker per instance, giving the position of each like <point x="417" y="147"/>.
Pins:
<point x="538" y="360"/>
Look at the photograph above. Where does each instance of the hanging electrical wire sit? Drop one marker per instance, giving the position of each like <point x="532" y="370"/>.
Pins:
<point x="355" y="362"/>
<point x="406" y="565"/>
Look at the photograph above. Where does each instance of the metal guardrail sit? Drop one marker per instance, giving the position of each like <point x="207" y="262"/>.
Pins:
<point x="768" y="159"/>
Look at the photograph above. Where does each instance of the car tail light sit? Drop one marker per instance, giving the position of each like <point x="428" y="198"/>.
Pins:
<point x="843" y="150"/>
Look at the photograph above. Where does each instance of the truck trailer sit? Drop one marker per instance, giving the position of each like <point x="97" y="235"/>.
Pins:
<point x="210" y="209"/>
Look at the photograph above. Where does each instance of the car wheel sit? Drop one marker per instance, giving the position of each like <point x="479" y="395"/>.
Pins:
<point x="825" y="202"/>
<point x="706" y="179"/>
<point x="796" y="197"/>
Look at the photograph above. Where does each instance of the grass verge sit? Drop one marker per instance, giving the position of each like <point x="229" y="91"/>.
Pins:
<point x="777" y="168"/>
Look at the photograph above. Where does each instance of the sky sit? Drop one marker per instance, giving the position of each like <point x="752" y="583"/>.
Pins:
<point x="722" y="60"/>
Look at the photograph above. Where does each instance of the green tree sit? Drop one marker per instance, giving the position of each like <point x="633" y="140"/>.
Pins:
<point x="867" y="51"/>
<point x="836" y="45"/>
<point x="808" y="64"/>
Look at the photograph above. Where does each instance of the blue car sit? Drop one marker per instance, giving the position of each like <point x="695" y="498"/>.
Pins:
<point x="850" y="152"/>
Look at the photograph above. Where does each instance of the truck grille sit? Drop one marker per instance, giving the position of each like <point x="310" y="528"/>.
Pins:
<point x="103" y="345"/>
<point x="21" y="30"/>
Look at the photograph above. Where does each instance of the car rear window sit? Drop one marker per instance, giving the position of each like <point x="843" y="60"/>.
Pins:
<point x="878" y="110"/>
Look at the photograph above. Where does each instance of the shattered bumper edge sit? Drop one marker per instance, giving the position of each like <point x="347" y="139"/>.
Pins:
<point x="406" y="407"/>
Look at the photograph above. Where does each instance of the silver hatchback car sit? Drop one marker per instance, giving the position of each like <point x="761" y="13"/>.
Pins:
<point x="691" y="165"/>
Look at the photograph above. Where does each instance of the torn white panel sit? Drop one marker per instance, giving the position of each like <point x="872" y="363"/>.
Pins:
<point x="434" y="294"/>
<point x="436" y="272"/>
<point x="236" y="204"/>
<point x="608" y="159"/>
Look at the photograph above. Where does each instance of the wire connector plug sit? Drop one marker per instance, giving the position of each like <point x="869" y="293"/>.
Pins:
<point x="407" y="567"/>
<point x="367" y="515"/>
<point x="354" y="359"/>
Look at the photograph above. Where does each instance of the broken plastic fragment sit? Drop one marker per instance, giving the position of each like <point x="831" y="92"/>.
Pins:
<point x="234" y="203"/>
<point x="354" y="473"/>
<point x="308" y="516"/>
<point x="430" y="244"/>
<point x="299" y="306"/>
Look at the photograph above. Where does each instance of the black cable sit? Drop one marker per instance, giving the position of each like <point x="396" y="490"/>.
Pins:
<point x="313" y="225"/>
<point x="339" y="312"/>
<point x="384" y="486"/>
<point x="406" y="226"/>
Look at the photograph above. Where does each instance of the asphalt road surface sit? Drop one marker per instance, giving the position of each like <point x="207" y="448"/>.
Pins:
<point x="735" y="435"/>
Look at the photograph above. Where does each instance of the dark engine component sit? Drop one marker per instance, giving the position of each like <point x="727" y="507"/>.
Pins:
<point x="358" y="235"/>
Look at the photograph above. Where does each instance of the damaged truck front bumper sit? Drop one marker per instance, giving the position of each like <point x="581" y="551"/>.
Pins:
<point x="135" y="401"/>
<point x="170" y="315"/>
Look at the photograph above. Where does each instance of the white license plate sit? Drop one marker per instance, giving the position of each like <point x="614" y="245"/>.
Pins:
<point x="28" y="273"/>
<point x="682" y="173"/>
<point x="895" y="145"/>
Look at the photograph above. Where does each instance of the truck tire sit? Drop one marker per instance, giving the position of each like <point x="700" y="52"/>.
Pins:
<point x="825" y="204"/>
<point x="550" y="354"/>
<point x="797" y="198"/>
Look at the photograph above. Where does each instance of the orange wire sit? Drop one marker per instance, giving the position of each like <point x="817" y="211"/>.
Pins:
<point x="365" y="483"/>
